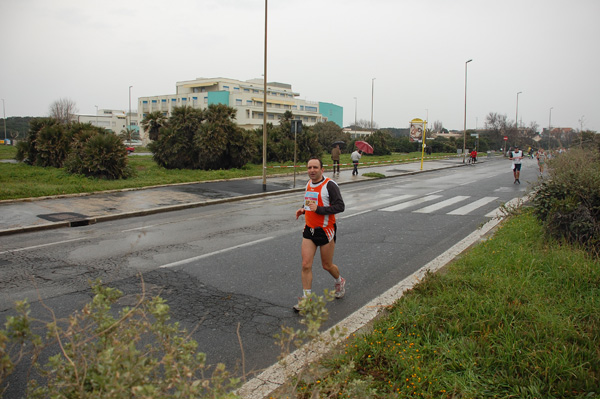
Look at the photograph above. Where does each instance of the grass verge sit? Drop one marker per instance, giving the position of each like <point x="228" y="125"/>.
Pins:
<point x="25" y="181"/>
<point x="515" y="317"/>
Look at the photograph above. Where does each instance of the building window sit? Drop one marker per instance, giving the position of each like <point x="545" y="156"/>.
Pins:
<point x="173" y="100"/>
<point x="153" y="101"/>
<point x="145" y="102"/>
<point x="238" y="101"/>
<point x="248" y="102"/>
<point x="226" y="87"/>
<point x="247" y="90"/>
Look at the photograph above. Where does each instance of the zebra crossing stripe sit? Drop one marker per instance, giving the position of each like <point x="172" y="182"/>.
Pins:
<point x="408" y="204"/>
<point x="472" y="206"/>
<point x="443" y="204"/>
<point x="386" y="201"/>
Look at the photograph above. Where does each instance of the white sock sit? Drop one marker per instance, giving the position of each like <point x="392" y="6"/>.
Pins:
<point x="306" y="293"/>
<point x="339" y="279"/>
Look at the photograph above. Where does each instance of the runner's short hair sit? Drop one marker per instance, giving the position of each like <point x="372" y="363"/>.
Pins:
<point x="318" y="159"/>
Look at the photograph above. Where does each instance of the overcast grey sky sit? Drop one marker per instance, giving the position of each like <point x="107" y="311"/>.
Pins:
<point x="328" y="50"/>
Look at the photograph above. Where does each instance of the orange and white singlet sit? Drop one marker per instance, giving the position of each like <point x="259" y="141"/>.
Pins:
<point x="326" y="195"/>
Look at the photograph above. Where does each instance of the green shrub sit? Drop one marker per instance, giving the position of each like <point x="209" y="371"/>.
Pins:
<point x="100" y="155"/>
<point x="135" y="353"/>
<point x="568" y="203"/>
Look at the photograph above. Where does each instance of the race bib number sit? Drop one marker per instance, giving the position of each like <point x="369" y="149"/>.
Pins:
<point x="310" y="198"/>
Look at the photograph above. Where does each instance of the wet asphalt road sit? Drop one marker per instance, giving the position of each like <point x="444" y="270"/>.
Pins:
<point x="237" y="264"/>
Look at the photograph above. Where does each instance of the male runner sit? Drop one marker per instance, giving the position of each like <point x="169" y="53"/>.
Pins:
<point x="322" y="200"/>
<point x="516" y="156"/>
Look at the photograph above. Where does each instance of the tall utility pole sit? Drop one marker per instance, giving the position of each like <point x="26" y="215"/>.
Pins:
<point x="129" y="125"/>
<point x="549" y="126"/>
<point x="517" y="114"/>
<point x="4" y="112"/>
<point x="465" y="125"/>
<point x="372" y="101"/>
<point x="264" y="174"/>
<point x="355" y="111"/>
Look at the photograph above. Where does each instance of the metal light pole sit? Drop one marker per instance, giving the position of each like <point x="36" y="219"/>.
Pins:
<point x="465" y="123"/>
<point x="372" y="101"/>
<point x="129" y="125"/>
<point x="549" y="126"/>
<point x="264" y="174"/>
<point x="517" y="114"/>
<point x="96" y="115"/>
<point x="355" y="111"/>
<point x="4" y="112"/>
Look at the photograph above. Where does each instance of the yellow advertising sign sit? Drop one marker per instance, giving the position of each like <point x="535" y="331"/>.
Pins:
<point x="417" y="130"/>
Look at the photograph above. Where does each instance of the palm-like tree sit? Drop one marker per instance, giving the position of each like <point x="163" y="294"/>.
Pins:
<point x="152" y="123"/>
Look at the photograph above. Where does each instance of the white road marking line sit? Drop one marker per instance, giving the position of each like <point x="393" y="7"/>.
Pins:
<point x="195" y="258"/>
<point x="141" y="228"/>
<point x="408" y="204"/>
<point x="42" y="245"/>
<point x="372" y="205"/>
<point x="354" y="214"/>
<point x="443" y="204"/>
<point x="472" y="206"/>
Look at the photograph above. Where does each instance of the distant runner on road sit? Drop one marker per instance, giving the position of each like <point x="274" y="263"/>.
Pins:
<point x="322" y="200"/>
<point x="516" y="156"/>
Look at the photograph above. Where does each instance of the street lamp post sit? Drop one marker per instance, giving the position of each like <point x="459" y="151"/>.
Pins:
<point x="96" y="115"/>
<point x="129" y="125"/>
<point x="465" y="120"/>
<point x="355" y="111"/>
<point x="4" y="113"/>
<point x="264" y="173"/>
<point x="372" y="101"/>
<point x="550" y="120"/>
<point x="517" y="113"/>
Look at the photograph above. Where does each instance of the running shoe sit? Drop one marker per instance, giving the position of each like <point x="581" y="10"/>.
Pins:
<point x="340" y="288"/>
<point x="298" y="307"/>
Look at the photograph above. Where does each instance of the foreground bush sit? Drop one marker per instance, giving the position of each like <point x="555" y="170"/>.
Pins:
<point x="568" y="203"/>
<point x="138" y="353"/>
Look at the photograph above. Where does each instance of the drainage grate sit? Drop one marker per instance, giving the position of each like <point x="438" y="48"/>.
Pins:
<point x="63" y="217"/>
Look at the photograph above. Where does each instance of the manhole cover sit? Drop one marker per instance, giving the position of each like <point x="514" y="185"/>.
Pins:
<point x="62" y="217"/>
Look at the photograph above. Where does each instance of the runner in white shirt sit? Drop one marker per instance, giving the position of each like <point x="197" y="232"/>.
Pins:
<point x="516" y="156"/>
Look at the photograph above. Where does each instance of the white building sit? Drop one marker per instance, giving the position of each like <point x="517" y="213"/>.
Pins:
<point x="111" y="119"/>
<point x="245" y="96"/>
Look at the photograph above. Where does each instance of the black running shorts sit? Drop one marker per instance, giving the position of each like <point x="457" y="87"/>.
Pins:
<point x="318" y="236"/>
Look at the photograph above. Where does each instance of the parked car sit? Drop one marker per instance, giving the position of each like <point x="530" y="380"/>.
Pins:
<point x="130" y="150"/>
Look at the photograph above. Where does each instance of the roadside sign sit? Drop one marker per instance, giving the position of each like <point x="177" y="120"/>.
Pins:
<point x="505" y="138"/>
